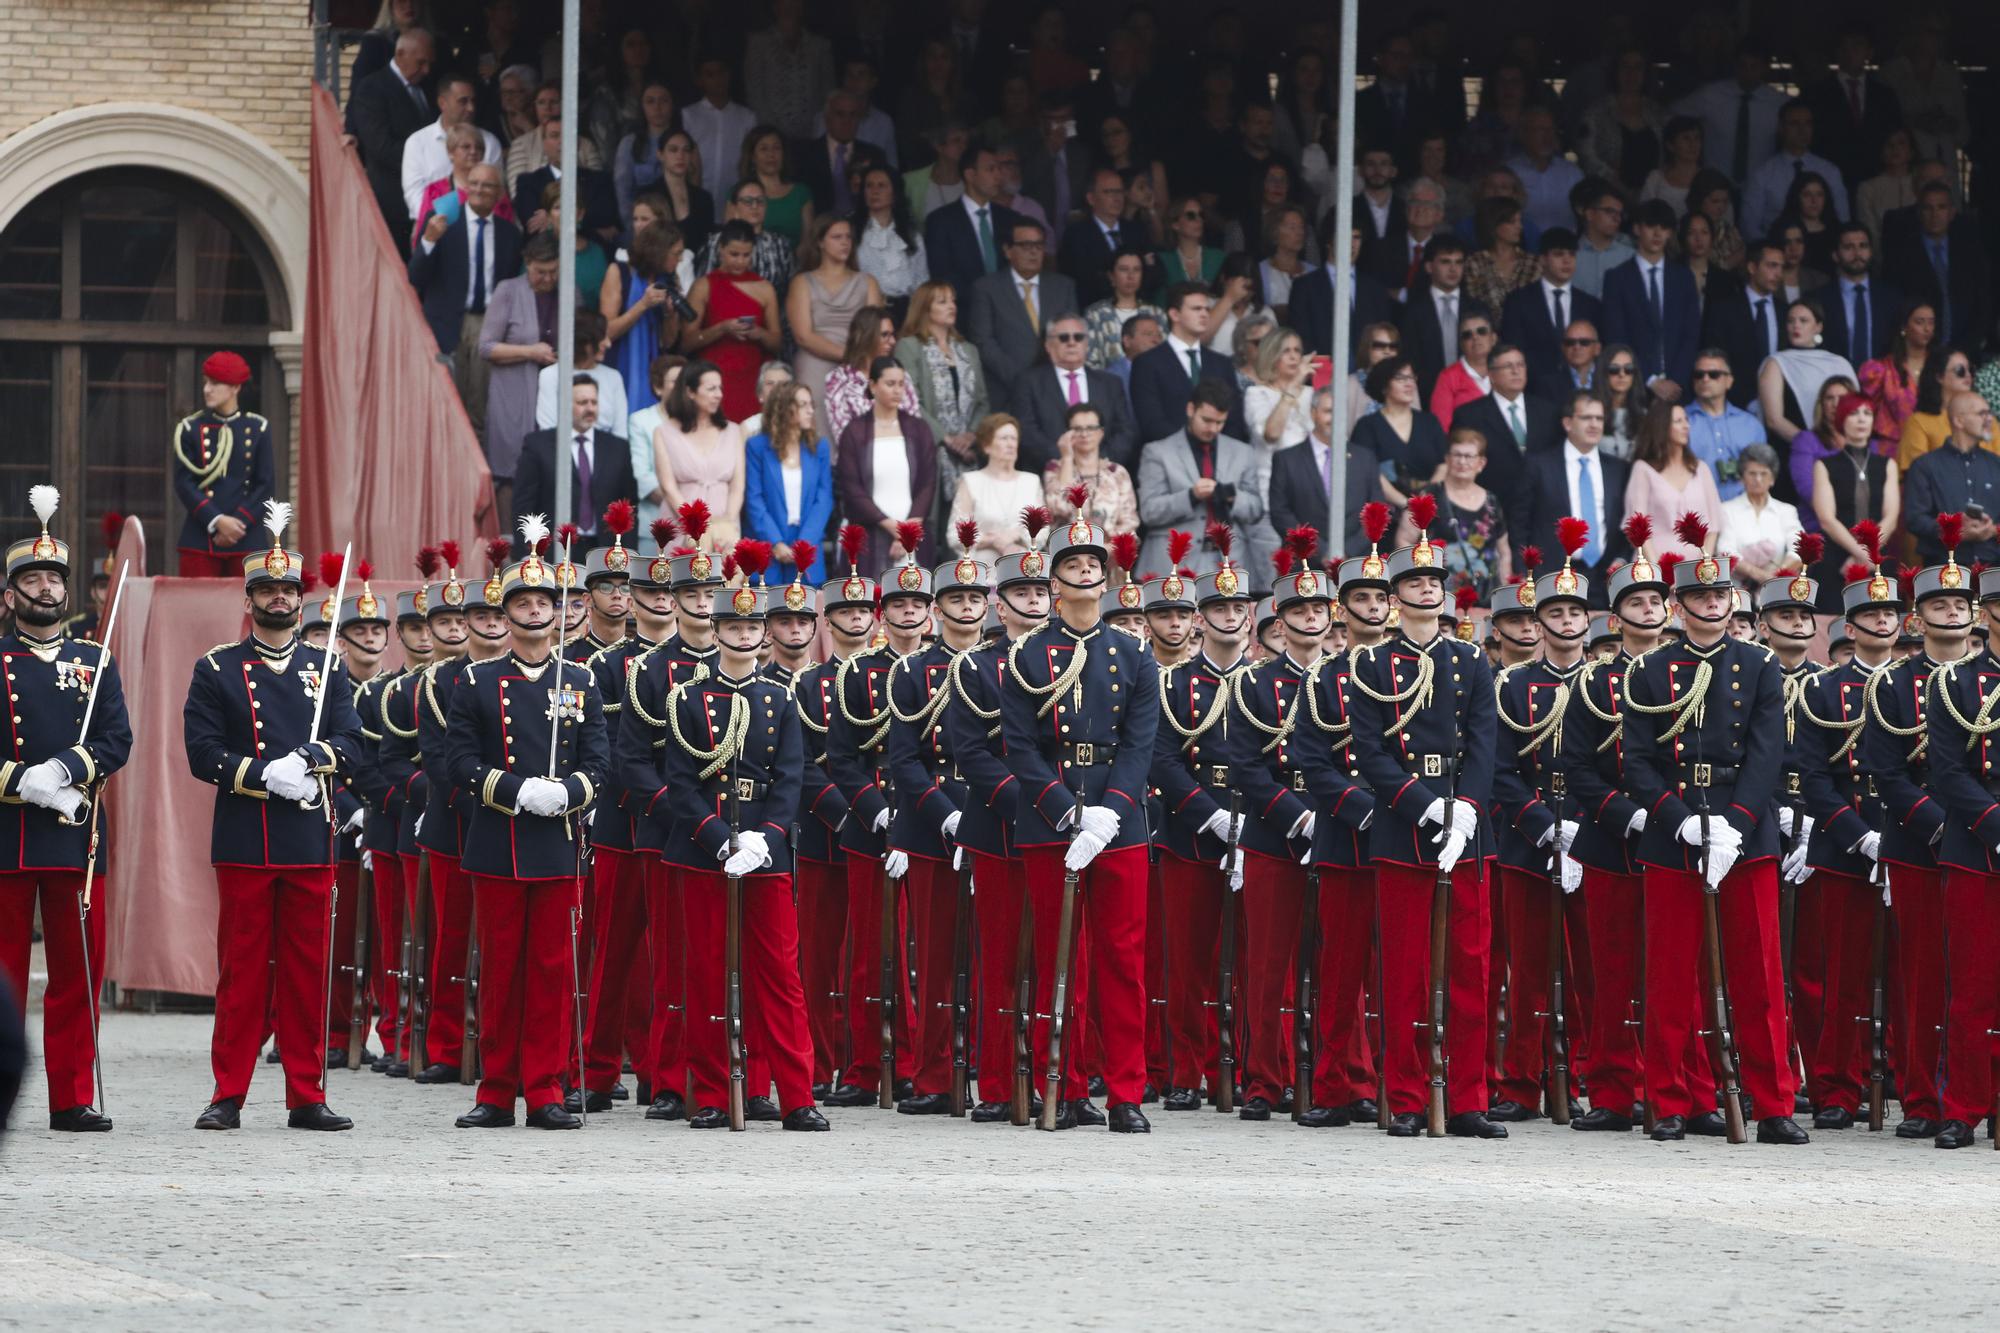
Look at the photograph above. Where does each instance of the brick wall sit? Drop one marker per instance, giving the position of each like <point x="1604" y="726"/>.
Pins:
<point x="244" y="61"/>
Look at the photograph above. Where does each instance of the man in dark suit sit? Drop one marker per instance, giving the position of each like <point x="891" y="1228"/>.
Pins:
<point x="1945" y="264"/>
<point x="1394" y="110"/>
<point x="594" y="194"/>
<point x="1577" y="478"/>
<point x="1380" y="218"/>
<point x="1434" y="308"/>
<point x="1535" y="316"/>
<point x="1010" y="309"/>
<point x="600" y="471"/>
<point x="824" y="162"/>
<point x="1045" y="394"/>
<point x="1652" y="305"/>
<point x="388" y="107"/>
<point x="1578" y="369"/>
<point x="454" y="268"/>
<point x="1747" y="321"/>
<point x="1300" y="475"/>
<point x="1899" y="225"/>
<point x="1863" y="312"/>
<point x="1089" y="242"/>
<point x="1312" y="298"/>
<point x="1853" y="111"/>
<point x="1056" y="172"/>
<point x="1163" y="377"/>
<point x="1515" y="423"/>
<point x="962" y="241"/>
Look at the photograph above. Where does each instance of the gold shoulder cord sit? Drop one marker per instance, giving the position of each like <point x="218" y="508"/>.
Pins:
<point x="1548" y="730"/>
<point x="932" y="706"/>
<point x="1982" y="724"/>
<point x="1851" y="730"/>
<point x="799" y="706"/>
<point x="1690" y="707"/>
<point x="1874" y="710"/>
<point x="879" y="721"/>
<point x="1342" y="732"/>
<point x="1613" y="719"/>
<point x="430" y="693"/>
<point x="733" y="732"/>
<point x="1189" y="735"/>
<point x="1419" y="692"/>
<point x="958" y="687"/>
<point x="1279" y="733"/>
<point x="632" y="670"/>
<point x="1052" y="691"/>
<point x="206" y="474"/>
<point x="387" y="695"/>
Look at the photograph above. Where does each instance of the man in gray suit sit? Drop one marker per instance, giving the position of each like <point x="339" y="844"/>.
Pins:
<point x="1046" y="393"/>
<point x="1011" y="307"/>
<point x="1197" y="474"/>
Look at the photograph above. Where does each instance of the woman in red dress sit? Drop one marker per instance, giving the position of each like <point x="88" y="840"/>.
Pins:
<point x="736" y="324"/>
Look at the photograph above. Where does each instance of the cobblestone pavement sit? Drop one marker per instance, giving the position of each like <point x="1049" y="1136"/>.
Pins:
<point x="891" y="1223"/>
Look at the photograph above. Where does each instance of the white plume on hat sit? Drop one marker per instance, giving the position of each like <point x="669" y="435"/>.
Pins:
<point x="277" y="517"/>
<point x="534" y="530"/>
<point x="43" y="500"/>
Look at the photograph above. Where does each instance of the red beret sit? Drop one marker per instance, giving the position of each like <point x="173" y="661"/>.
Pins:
<point x="226" y="368"/>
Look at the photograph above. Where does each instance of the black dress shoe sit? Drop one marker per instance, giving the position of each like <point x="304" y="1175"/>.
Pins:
<point x="1833" y="1117"/>
<point x="1709" y="1125"/>
<point x="317" y="1115"/>
<point x="1474" y="1125"/>
<point x="1285" y="1102"/>
<point x="1097" y="1086"/>
<point x="1127" y="1118"/>
<point x="83" y="1120"/>
<point x="336" y="1057"/>
<point x="437" y="1073"/>
<point x="821" y="1091"/>
<point x="849" y="1094"/>
<point x="1085" y="1113"/>
<point x="486" y="1116"/>
<point x="1181" y="1099"/>
<point x="925" y="1103"/>
<point x="552" y="1116"/>
<point x="709" y="1117"/>
<point x="1801" y="1103"/>
<point x="1670" y="1129"/>
<point x="225" y="1114"/>
<point x="1781" y="1129"/>
<point x="1065" y="1116"/>
<point x="1602" y="1117"/>
<point x="1149" y="1096"/>
<point x="1327" y="1117"/>
<point x="990" y="1113"/>
<point x="1365" y="1109"/>
<point x="1405" y="1125"/>
<point x="620" y="1093"/>
<point x="905" y="1087"/>
<point x="761" y="1109"/>
<point x="1257" y="1108"/>
<point x="380" y="1064"/>
<point x="1511" y="1112"/>
<point x="1916" y="1127"/>
<point x="806" y="1119"/>
<point x="1954" y="1134"/>
<point x="666" y="1106"/>
<point x="594" y="1101"/>
<point x="271" y="1057"/>
<point x="398" y="1069"/>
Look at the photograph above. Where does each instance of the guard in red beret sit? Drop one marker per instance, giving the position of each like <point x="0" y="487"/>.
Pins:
<point x="222" y="472"/>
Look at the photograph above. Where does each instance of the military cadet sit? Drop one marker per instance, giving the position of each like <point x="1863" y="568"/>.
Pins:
<point x="222" y="473"/>
<point x="691" y="576"/>
<point x="575" y="641"/>
<point x="1840" y="644"/>
<point x="250" y="730"/>
<point x="1706" y="767"/>
<point x="972" y="727"/>
<point x="930" y="797"/>
<point x="350" y="814"/>
<point x="1171" y="634"/>
<point x="1538" y="825"/>
<point x="525" y="736"/>
<point x="857" y="757"/>
<point x="52" y="775"/>
<point x="793" y="624"/>
<point x="1845" y="844"/>
<point x="1896" y="756"/>
<point x="1270" y="636"/>
<point x="1742" y="610"/>
<point x="1123" y="607"/>
<point x="1515" y="629"/>
<point x="1078" y="717"/>
<point x="1959" y="717"/>
<point x="734" y="770"/>
<point x="1423" y="729"/>
<point x="1602" y="642"/>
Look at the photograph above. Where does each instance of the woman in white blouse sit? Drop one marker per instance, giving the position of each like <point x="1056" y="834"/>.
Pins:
<point x="1757" y="529"/>
<point x="995" y="495"/>
<point x="892" y="244"/>
<point x="1278" y="406"/>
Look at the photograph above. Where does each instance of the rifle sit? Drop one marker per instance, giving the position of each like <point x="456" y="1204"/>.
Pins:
<point x="961" y="991"/>
<point x="1440" y="968"/>
<point x="892" y="980"/>
<point x="357" y="1009"/>
<point x="420" y="962"/>
<point x="1052" y="1077"/>
<point x="1722" y="1036"/>
<point x="1877" y="1004"/>
<point x="1305" y="1000"/>
<point x="732" y="960"/>
<point x="468" y="1042"/>
<point x="1225" y="995"/>
<point x="1381" y="1017"/>
<point x="1024" y="1009"/>
<point x="1558" y="1029"/>
<point x="90" y="854"/>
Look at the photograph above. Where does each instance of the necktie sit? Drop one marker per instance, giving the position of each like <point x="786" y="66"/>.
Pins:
<point x="843" y="202"/>
<point x="580" y="504"/>
<point x="1194" y="365"/>
<point x="1941" y="265"/>
<point x="1416" y="261"/>
<point x="478" y="305"/>
<point x="1653" y="296"/>
<point x="1764" y="339"/>
<point x="1450" y="322"/>
<point x="987" y="254"/>
<point x="1854" y="101"/>
<point x="1111" y="238"/>
<point x="1515" y="424"/>
<point x="1061" y="199"/>
<point x="417" y="96"/>
<point x="1074" y="396"/>
<point x="1561" y="322"/>
<point x="1739" y="159"/>
<point x="1586" y="503"/>
<point x="1028" y="300"/>
<point x="1858" y="330"/>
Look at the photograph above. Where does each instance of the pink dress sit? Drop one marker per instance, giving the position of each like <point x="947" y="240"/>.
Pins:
<point x="706" y="474"/>
<point x="1648" y="493"/>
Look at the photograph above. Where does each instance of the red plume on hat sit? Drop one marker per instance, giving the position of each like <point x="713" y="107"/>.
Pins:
<point x="1869" y="534"/>
<point x="1906" y="584"/>
<point x="968" y="533"/>
<point x="804" y="555"/>
<point x="1423" y="512"/>
<point x="729" y="568"/>
<point x="427" y="561"/>
<point x="1078" y="496"/>
<point x="1125" y="552"/>
<point x="1303" y="541"/>
<point x="567" y="534"/>
<point x="331" y="563"/>
<point x="1531" y="557"/>
<point x="365" y="570"/>
<point x="450" y="553"/>
<point x="1853" y="571"/>
<point x="1669" y="563"/>
<point x="1178" y="545"/>
<point x="113" y="523"/>
<point x="664" y="530"/>
<point x="497" y="551"/>
<point x="1220" y="537"/>
<point x="1574" y="534"/>
<point x="1638" y="529"/>
<point x="910" y="532"/>
<point x="308" y="581"/>
<point x="853" y="537"/>
<point x="618" y="518"/>
<point x="1375" y="518"/>
<point x="1035" y="518"/>
<point x="694" y="520"/>
<point x="1951" y="527"/>
<point x="1692" y="530"/>
<point x="1281" y="560"/>
<point x="1809" y="547"/>
<point x="1465" y="597"/>
<point x="753" y="557"/>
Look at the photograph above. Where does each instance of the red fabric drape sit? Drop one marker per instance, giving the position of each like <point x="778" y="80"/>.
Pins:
<point x="387" y="456"/>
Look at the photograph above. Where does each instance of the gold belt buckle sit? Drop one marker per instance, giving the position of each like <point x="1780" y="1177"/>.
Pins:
<point x="746" y="789"/>
<point x="1298" y="782"/>
<point x="1086" y="753"/>
<point x="1218" y="775"/>
<point x="1433" y="765"/>
<point x="1704" y="776"/>
<point x="1558" y="784"/>
<point x="1791" y="784"/>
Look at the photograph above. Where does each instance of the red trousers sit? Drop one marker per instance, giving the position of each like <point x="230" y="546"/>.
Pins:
<point x="1192" y="896"/>
<point x="1110" y="911"/>
<point x="1918" y="896"/>
<point x="821" y="889"/>
<point x="1679" y="994"/>
<point x="1157" y="968"/>
<point x="1972" y="905"/>
<point x="864" y="976"/>
<point x="667" y="1039"/>
<point x="1403" y="903"/>
<point x="1274" y="900"/>
<point x="1839" y="1063"/>
<point x="619" y="925"/>
<point x="1615" y="924"/>
<point x="340" y="1014"/>
<point x="1344" y="1070"/>
<point x="1528" y="900"/>
<point x="272" y="936"/>
<point x="68" y="1007"/>
<point x="201" y="565"/>
<point x="1808" y="976"/>
<point x="1001" y="886"/>
<point x="525" y="988"/>
<point x="1497" y="978"/>
<point x="774" y="1002"/>
<point x="932" y="889"/>
<point x="450" y="949"/>
<point x="390" y="909"/>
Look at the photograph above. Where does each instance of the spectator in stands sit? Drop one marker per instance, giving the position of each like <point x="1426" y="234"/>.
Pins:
<point x="964" y="241"/>
<point x="698" y="453"/>
<point x="788" y="202"/>
<point x="1861" y="310"/>
<point x="788" y="481"/>
<point x="616" y="100"/>
<point x="1535" y="315"/>
<point x="1474" y="522"/>
<point x="591" y="345"/>
<point x="1119" y="148"/>
<point x="1963" y="477"/>
<point x="1890" y="382"/>
<point x="886" y="469"/>
<point x="595" y="198"/>
<point x="1513" y="422"/>
<point x="1188" y="259"/>
<point x="788" y="71"/>
<point x="1626" y="401"/>
<point x="1090" y="241"/>
<point x="1114" y="502"/>
<point x="1141" y="334"/>
<point x="1499" y="183"/>
<point x="1893" y="186"/>
<point x="1124" y="278"/>
<point x="1799" y="277"/>
<point x="517" y="339"/>
<point x="529" y="152"/>
<point x="1853" y="109"/>
<point x="1376" y="343"/>
<point x="660" y="377"/>
<point x="1674" y="177"/>
<point x="823" y="298"/>
<point x="1947" y="372"/>
<point x="1791" y="378"/>
<point x="994" y="494"/>
<point x="690" y="207"/>
<point x="1743" y="323"/>
<point x="942" y="182"/>
<point x="1408" y="440"/>
<point x="1944" y="262"/>
<point x="769" y="376"/>
<point x="1621" y="138"/>
<point x="1719" y="430"/>
<point x="1694" y="245"/>
<point x="871" y="333"/>
<point x="1302" y="474"/>
<point x="636" y="161"/>
<point x="1650" y="303"/>
<point x="1603" y="244"/>
<point x="637" y="302"/>
<point x="891" y="250"/>
<point x="1276" y="402"/>
<point x="1738" y="115"/>
<point x="1284" y="247"/>
<point x="1046" y="392"/>
<point x="1855" y="482"/>
<point x="1241" y="318"/>
<point x="1466" y="379"/>
<point x="1758" y="528"/>
<point x="934" y="99"/>
<point x="463" y="145"/>
<point x="1578" y="478"/>
<point x="718" y="124"/>
<point x="427" y="152"/>
<point x="1402" y="265"/>
<point x="1711" y="197"/>
<point x="599" y="460"/>
<point x="1501" y="265"/>
<point x="1493" y="135"/>
<point x="1432" y="328"/>
<point x="771" y="255"/>
<point x="517" y="85"/>
<point x="1543" y="171"/>
<point x="392" y="20"/>
<point x="735" y="324"/>
<point x="1576" y="368"/>
<point x="1764" y="195"/>
<point x="1380" y="216"/>
<point x="1010" y="308"/>
<point x="825" y="159"/>
<point x="1667" y="480"/>
<point x="859" y="79"/>
<point x="1808" y="206"/>
<point x="454" y="269"/>
<point x="1056" y="171"/>
<point x="388" y="107"/>
<point x="1808" y="447"/>
<point x="1197" y="474"/>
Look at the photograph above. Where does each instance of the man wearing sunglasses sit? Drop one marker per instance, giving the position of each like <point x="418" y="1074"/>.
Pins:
<point x="1580" y="349"/>
<point x="1011" y="309"/>
<point x="1046" y="394"/>
<point x="1717" y="428"/>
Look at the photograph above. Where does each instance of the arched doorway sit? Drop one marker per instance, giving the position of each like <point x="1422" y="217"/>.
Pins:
<point x="113" y="286"/>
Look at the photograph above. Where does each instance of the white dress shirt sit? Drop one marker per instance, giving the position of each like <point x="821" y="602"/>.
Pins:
<point x="718" y="134"/>
<point x="425" y="160"/>
<point x="1082" y="374"/>
<point x="1568" y="293"/>
<point x="1572" y="458"/>
<point x="1181" y="351"/>
<point x="611" y="408"/>
<point x="1764" y="198"/>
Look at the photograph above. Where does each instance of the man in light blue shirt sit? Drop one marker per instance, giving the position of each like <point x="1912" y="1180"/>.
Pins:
<point x="1717" y="428"/>
<point x="1543" y="171"/>
<point x="1600" y="245"/>
<point x="1764" y="199"/>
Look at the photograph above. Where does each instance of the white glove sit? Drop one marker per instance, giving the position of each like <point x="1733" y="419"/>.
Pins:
<point x="881" y="819"/>
<point x="1083" y="851"/>
<point x="1570" y="871"/>
<point x="1232" y="863"/>
<point x="355" y="820"/>
<point x="1099" y="821"/>
<point x="1464" y="821"/>
<point x="1870" y="845"/>
<point x="1236" y="877"/>
<point x="1307" y="859"/>
<point x="1721" y="859"/>
<point x="1217" y="823"/>
<point x="958" y="858"/>
<point x="1794" y="869"/>
<point x="360" y="841"/>
<point x="286" y="776"/>
<point x="1806" y="829"/>
<point x="896" y="864"/>
<point x="543" y="796"/>
<point x="752" y="854"/>
<point x="1548" y="836"/>
<point x="950" y="826"/>
<point x="1454" y="847"/>
<point x="1366" y="820"/>
<point x="1638" y="824"/>
<point x="367" y="859"/>
<point x="41" y="784"/>
<point x="1690" y="832"/>
<point x="1566" y="836"/>
<point x="1938" y="836"/>
<point x="1303" y="828"/>
<point x="1785" y="813"/>
<point x="1433" y="814"/>
<point x="419" y="829"/>
<point x="70" y="802"/>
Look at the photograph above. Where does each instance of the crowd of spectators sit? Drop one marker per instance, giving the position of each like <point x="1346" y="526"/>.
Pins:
<point x="945" y="261"/>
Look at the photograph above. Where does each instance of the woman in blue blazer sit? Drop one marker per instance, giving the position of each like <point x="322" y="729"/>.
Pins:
<point x="788" y="438"/>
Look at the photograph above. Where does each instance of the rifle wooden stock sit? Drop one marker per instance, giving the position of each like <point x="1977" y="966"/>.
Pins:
<point x="1225" y="989"/>
<point x="1558" y="1053"/>
<point x="357" y="1007"/>
<point x="961" y="993"/>
<point x="1305" y="1000"/>
<point x="1878" y="1057"/>
<point x="420" y="962"/>
<point x="1722" y="1035"/>
<point x="1440" y="973"/>
<point x="1024" y="1010"/>
<point x="1052" y="1075"/>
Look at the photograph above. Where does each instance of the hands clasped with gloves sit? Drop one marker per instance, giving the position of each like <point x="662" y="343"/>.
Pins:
<point x="1793" y="869"/>
<point x="1638" y="824"/>
<point x="1724" y="849"/>
<point x="1217" y="824"/>
<point x="543" y="796"/>
<point x="950" y="826"/>
<point x="290" y="777"/>
<point x="1099" y="821"/>
<point x="44" y="784"/>
<point x="1870" y="846"/>
<point x="752" y="854"/>
<point x="1083" y="849"/>
<point x="896" y="864"/>
<point x="1570" y="872"/>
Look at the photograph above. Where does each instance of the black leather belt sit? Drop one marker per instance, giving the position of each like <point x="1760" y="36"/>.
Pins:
<point x="1707" y="775"/>
<point x="1430" y="765"/>
<point x="1081" y="754"/>
<point x="743" y="789"/>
